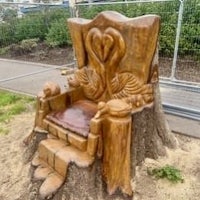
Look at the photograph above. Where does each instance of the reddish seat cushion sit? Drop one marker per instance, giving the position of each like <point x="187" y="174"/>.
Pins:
<point x="75" y="118"/>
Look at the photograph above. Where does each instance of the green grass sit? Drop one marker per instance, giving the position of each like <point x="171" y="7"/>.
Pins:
<point x="168" y="172"/>
<point x="8" y="98"/>
<point x="10" y="105"/>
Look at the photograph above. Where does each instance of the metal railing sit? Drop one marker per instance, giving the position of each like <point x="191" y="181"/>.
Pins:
<point x="180" y="32"/>
<point x="179" y="37"/>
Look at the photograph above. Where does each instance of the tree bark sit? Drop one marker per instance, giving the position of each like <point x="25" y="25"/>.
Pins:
<point x="151" y="134"/>
<point x="150" y="137"/>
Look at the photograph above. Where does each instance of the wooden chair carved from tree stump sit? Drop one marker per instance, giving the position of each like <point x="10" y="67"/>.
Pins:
<point x="117" y="70"/>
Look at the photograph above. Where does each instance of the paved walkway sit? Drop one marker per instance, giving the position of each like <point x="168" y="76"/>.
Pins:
<point x="26" y="77"/>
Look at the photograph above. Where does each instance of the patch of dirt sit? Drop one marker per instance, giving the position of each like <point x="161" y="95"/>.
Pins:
<point x="187" y="159"/>
<point x="43" y="54"/>
<point x="187" y="69"/>
<point x="15" y="180"/>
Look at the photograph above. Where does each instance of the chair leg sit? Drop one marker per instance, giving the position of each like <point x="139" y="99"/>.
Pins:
<point x="92" y="144"/>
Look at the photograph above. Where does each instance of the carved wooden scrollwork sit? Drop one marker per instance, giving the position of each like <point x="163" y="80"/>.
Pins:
<point x="104" y="50"/>
<point x="100" y="79"/>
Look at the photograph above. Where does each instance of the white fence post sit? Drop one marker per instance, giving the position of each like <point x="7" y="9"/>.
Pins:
<point x="178" y="32"/>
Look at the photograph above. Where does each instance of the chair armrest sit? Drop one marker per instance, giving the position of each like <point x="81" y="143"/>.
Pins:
<point x="56" y="103"/>
<point x="62" y="101"/>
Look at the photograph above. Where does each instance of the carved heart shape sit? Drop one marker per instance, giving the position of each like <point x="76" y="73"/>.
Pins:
<point x="105" y="50"/>
<point x="102" y="44"/>
<point x="108" y="44"/>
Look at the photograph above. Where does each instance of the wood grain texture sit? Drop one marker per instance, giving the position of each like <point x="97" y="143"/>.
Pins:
<point x="115" y="56"/>
<point x="118" y="72"/>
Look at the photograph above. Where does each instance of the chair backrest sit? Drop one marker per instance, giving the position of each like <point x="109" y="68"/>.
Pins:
<point x="115" y="54"/>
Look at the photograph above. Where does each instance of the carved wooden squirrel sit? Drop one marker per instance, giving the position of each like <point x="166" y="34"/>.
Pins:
<point x="50" y="89"/>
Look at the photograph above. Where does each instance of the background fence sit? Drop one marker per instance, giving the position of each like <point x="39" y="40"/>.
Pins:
<point x="179" y="47"/>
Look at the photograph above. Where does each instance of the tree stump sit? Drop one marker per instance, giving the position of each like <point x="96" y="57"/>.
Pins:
<point x="150" y="137"/>
<point x="118" y="70"/>
<point x="151" y="134"/>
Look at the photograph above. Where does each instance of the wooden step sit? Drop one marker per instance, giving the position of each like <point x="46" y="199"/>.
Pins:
<point x="66" y="135"/>
<point x="47" y="149"/>
<point x="52" y="161"/>
<point x="57" y="155"/>
<point x="71" y="154"/>
<point x="55" y="130"/>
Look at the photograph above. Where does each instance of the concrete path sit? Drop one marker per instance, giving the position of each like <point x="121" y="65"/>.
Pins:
<point x="28" y="78"/>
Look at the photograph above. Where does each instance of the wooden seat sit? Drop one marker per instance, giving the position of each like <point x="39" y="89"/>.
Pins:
<point x="75" y="118"/>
